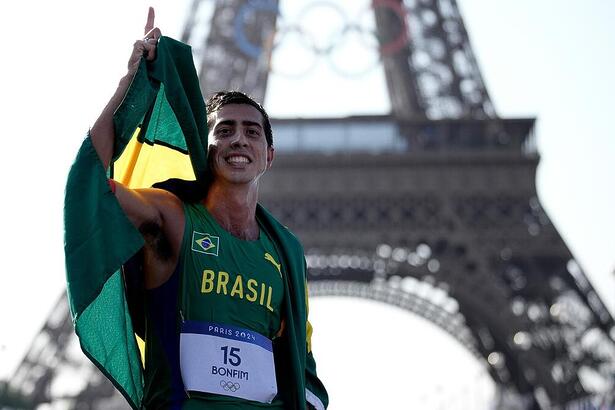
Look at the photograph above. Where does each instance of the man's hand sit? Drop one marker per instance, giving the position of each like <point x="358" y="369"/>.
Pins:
<point x="103" y="132"/>
<point x="147" y="46"/>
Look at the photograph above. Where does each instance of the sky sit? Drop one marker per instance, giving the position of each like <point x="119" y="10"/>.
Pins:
<point x="550" y="59"/>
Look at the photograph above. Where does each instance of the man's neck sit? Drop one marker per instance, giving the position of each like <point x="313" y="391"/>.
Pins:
<point x="234" y="208"/>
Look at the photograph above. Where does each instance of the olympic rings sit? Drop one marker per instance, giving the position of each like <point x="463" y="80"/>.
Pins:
<point x="401" y="40"/>
<point x="345" y="45"/>
<point x="248" y="48"/>
<point x="229" y="386"/>
<point x="291" y="38"/>
<point x="317" y="41"/>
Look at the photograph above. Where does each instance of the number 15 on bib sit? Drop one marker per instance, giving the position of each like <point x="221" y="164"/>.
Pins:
<point x="227" y="360"/>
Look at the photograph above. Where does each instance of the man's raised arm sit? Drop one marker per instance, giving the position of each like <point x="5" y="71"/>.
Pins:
<point x="102" y="133"/>
<point x="157" y="214"/>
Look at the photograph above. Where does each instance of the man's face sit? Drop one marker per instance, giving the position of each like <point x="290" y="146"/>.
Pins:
<point x="237" y="144"/>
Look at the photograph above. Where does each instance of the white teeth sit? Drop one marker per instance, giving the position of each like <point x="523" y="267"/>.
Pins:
<point x="235" y="159"/>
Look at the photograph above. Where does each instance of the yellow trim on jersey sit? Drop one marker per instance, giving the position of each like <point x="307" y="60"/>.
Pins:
<point x="308" y="325"/>
<point x="141" y="346"/>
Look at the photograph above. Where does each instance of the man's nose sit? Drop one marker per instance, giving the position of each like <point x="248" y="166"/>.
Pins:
<point x="239" y="138"/>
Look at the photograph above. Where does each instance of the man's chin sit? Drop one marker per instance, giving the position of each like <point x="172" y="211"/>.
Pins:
<point x="236" y="178"/>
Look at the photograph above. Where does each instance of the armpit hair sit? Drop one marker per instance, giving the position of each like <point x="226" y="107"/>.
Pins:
<point x="156" y="240"/>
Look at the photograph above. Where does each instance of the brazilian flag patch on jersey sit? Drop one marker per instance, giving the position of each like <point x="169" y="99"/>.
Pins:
<point x="205" y="243"/>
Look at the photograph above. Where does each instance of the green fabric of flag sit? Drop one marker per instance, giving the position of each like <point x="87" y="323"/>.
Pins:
<point x="163" y="98"/>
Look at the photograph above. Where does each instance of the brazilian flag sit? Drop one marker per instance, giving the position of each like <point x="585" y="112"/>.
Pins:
<point x="161" y="133"/>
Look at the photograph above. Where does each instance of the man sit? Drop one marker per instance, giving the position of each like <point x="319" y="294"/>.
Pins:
<point x="223" y="284"/>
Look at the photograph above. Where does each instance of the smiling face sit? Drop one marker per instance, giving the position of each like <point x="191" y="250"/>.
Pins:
<point x="238" y="148"/>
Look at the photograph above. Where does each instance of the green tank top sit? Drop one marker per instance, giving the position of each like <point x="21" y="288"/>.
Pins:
<point x="229" y="281"/>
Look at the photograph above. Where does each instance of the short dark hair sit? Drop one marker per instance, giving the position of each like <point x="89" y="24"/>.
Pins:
<point x="222" y="98"/>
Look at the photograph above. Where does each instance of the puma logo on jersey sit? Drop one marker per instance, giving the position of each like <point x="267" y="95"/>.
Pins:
<point x="205" y="243"/>
<point x="273" y="261"/>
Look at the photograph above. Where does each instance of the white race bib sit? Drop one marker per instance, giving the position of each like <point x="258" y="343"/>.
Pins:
<point x="227" y="360"/>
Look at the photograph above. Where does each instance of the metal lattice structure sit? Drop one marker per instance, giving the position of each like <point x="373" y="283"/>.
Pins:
<point x="236" y="52"/>
<point x="434" y="74"/>
<point x="434" y="210"/>
<point x="450" y="228"/>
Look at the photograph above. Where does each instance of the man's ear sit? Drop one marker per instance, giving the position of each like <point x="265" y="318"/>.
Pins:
<point x="270" y="156"/>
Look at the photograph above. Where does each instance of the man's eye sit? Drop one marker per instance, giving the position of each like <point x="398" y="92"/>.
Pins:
<point x="223" y="131"/>
<point x="253" y="132"/>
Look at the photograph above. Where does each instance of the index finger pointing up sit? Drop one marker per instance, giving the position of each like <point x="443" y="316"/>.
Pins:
<point x="150" y="21"/>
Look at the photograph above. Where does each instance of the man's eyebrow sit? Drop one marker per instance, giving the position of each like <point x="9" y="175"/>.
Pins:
<point x="244" y="122"/>
<point x="251" y="124"/>
<point x="226" y="122"/>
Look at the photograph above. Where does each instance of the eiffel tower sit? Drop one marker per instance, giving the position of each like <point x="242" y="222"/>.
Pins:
<point x="431" y="208"/>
